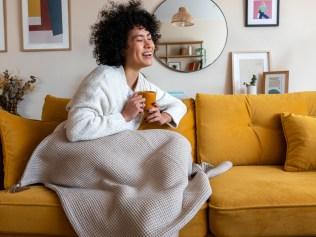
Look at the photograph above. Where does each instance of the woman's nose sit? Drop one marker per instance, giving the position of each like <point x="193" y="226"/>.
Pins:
<point x="148" y="43"/>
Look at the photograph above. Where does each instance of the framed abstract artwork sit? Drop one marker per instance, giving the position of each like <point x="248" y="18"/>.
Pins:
<point x="276" y="82"/>
<point x="3" y="41"/>
<point x="45" y="25"/>
<point x="262" y="12"/>
<point x="247" y="64"/>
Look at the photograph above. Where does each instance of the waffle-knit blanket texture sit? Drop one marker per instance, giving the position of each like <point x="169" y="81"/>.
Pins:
<point x="133" y="183"/>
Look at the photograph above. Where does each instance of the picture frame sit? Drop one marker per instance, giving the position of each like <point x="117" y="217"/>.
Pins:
<point x="262" y="13"/>
<point x="175" y="65"/>
<point x="276" y="82"/>
<point x="45" y="25"/>
<point x="247" y="64"/>
<point x="3" y="30"/>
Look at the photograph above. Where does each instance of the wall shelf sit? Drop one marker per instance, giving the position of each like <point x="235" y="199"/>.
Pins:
<point x="184" y="51"/>
<point x="182" y="56"/>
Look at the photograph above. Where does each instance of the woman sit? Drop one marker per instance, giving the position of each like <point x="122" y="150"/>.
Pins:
<point x="139" y="183"/>
<point x="107" y="101"/>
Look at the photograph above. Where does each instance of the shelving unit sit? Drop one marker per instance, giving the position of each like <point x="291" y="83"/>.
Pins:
<point x="168" y="51"/>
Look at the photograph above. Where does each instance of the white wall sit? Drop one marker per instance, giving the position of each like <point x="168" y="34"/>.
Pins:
<point x="292" y="47"/>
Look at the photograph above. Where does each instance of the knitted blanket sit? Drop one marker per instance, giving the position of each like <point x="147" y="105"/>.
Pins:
<point x="133" y="183"/>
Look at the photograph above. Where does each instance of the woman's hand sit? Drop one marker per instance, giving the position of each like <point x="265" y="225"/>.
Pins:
<point x="134" y="105"/>
<point x="154" y="115"/>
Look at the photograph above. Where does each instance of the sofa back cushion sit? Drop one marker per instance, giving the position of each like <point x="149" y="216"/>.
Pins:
<point x="246" y="129"/>
<point x="19" y="137"/>
<point x="54" y="109"/>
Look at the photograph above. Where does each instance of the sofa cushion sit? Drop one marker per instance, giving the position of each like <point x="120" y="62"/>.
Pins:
<point x="246" y="129"/>
<point x="198" y="225"/>
<point x="300" y="135"/>
<point x="54" y="109"/>
<point x="263" y="201"/>
<point x="19" y="137"/>
<point x="37" y="211"/>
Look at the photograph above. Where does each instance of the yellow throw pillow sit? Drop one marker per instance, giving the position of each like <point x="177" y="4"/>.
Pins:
<point x="300" y="135"/>
<point x="54" y="108"/>
<point x="19" y="137"/>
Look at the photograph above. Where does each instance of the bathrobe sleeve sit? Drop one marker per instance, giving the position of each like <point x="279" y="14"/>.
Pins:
<point x="92" y="112"/>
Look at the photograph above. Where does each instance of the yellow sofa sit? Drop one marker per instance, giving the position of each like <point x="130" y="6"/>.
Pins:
<point x="259" y="196"/>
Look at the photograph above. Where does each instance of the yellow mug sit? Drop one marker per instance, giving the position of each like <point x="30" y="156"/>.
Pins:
<point x="150" y="97"/>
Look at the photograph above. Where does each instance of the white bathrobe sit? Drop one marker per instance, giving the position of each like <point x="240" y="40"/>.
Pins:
<point x="95" y="110"/>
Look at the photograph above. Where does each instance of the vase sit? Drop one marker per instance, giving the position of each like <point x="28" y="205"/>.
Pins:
<point x="251" y="90"/>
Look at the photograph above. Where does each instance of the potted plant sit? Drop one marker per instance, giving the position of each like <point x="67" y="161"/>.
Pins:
<point x="12" y="90"/>
<point x="251" y="86"/>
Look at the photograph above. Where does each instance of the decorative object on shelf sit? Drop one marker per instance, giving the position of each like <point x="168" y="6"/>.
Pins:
<point x="182" y="18"/>
<point x="246" y="64"/>
<point x="183" y="51"/>
<point x="12" y="90"/>
<point x="45" y="25"/>
<point x="262" y="12"/>
<point x="276" y="82"/>
<point x="209" y="33"/>
<point x="251" y="86"/>
<point x="194" y="66"/>
<point x="3" y="41"/>
<point x="202" y="52"/>
<point x="190" y="50"/>
<point x="175" y="65"/>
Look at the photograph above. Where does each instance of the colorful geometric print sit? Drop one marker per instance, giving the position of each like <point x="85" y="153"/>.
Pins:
<point x="45" y="15"/>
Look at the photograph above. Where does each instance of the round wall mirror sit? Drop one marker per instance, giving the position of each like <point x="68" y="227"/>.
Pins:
<point x="193" y="34"/>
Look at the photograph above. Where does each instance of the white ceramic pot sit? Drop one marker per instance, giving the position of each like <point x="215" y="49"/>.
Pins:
<point x="251" y="90"/>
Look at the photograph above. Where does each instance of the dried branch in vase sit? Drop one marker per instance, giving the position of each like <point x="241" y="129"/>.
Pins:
<point x="12" y="90"/>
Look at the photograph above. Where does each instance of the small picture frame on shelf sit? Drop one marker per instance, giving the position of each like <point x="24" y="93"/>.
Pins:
<point x="175" y="65"/>
<point x="247" y="64"/>
<point x="276" y="82"/>
<point x="262" y="13"/>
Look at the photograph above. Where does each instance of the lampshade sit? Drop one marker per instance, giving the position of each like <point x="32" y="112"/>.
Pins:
<point x="182" y="18"/>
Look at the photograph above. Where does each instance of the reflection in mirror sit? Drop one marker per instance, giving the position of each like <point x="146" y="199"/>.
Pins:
<point x="190" y="47"/>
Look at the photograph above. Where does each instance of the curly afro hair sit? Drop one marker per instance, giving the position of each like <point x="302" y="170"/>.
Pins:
<point x="109" y="34"/>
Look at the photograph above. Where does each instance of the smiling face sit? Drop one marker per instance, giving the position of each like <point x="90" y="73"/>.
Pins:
<point x="140" y="49"/>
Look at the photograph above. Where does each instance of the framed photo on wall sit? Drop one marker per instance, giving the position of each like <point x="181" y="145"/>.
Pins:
<point x="3" y="37"/>
<point x="262" y="12"/>
<point x="276" y="82"/>
<point x="45" y="25"/>
<point x="247" y="64"/>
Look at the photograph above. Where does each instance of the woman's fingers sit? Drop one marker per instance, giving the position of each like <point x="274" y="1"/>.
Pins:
<point x="154" y="117"/>
<point x="138" y="101"/>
